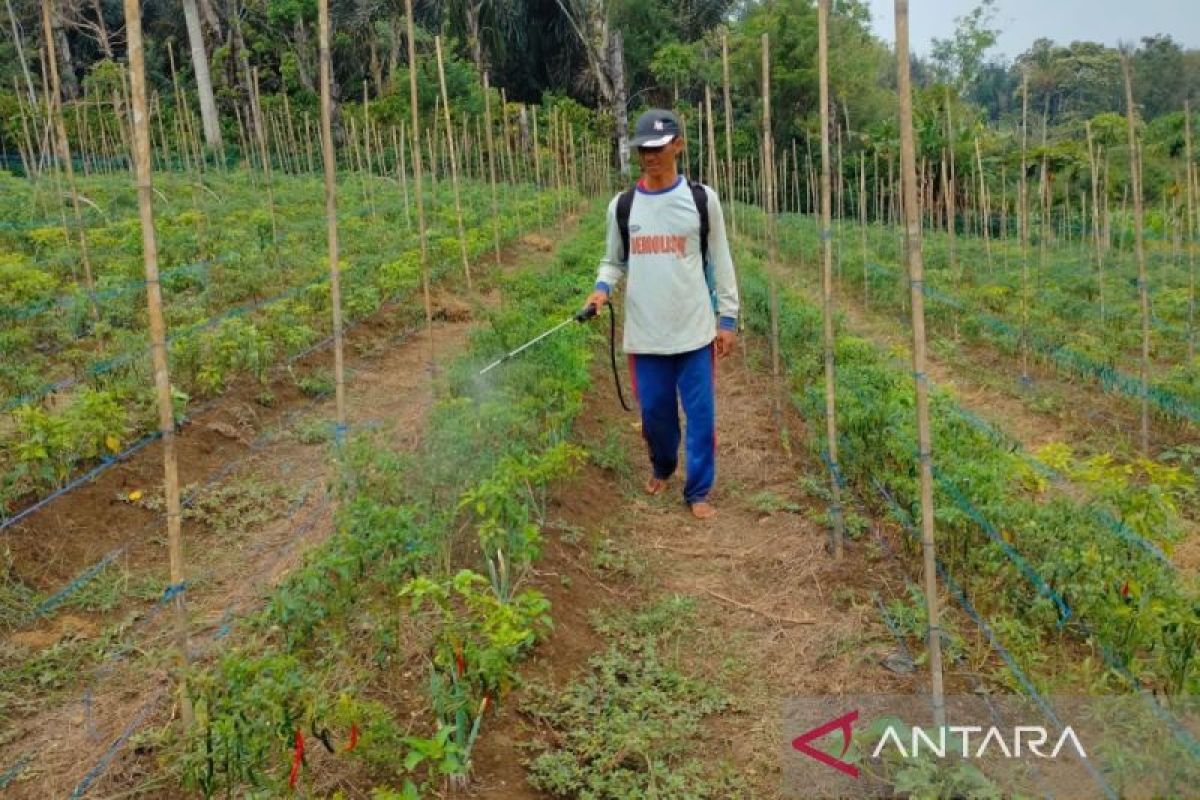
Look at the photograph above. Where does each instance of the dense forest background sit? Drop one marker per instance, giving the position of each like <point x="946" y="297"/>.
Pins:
<point x="564" y="53"/>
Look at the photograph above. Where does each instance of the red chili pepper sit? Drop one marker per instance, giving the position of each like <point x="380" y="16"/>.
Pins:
<point x="460" y="662"/>
<point x="353" y="737"/>
<point x="1125" y="589"/>
<point x="297" y="760"/>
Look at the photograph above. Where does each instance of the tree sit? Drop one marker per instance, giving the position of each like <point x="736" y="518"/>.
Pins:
<point x="960" y="60"/>
<point x="204" y="89"/>
<point x="606" y="63"/>
<point x="1159" y="74"/>
<point x="674" y="62"/>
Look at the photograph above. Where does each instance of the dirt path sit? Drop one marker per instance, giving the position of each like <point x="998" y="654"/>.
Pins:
<point x="775" y="617"/>
<point x="116" y="682"/>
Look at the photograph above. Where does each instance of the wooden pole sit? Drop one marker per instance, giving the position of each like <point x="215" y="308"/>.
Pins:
<point x="1188" y="176"/>
<point x="725" y="84"/>
<point x="64" y="155"/>
<point x="1024" y="224"/>
<point x="416" y="153"/>
<point x="838" y="533"/>
<point x="862" y="225"/>
<point x="260" y="129"/>
<point x="1096" y="241"/>
<point x="491" y="157"/>
<point x="711" y="149"/>
<point x="916" y="276"/>
<point x="985" y="205"/>
<point x="370" y="167"/>
<point x="462" y="235"/>
<point x="1139" y="245"/>
<point x="398" y="144"/>
<point x="329" y="166"/>
<point x="772" y="245"/>
<point x="158" y="345"/>
<point x="951" y="189"/>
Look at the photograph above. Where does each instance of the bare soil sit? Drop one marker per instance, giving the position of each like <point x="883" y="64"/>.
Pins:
<point x="119" y="690"/>
<point x="770" y="600"/>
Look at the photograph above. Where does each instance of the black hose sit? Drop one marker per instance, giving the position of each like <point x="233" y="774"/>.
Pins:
<point x="612" y="354"/>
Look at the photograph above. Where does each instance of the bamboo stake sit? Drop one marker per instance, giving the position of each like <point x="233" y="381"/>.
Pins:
<point x="951" y="189"/>
<point x="916" y="279"/>
<point x="367" y="152"/>
<point x="329" y="166"/>
<point x="64" y="154"/>
<point x="491" y="158"/>
<point x="537" y="166"/>
<point x="862" y="224"/>
<point x="555" y="166"/>
<point x="402" y="171"/>
<point x="1135" y="167"/>
<point x="259" y="128"/>
<point x="416" y="152"/>
<point x="158" y="345"/>
<point x="711" y="133"/>
<point x="986" y="224"/>
<point x="1096" y="217"/>
<point x="308" y="151"/>
<point x="725" y="84"/>
<point x="462" y="235"/>
<point x="773" y="256"/>
<point x="1024" y="223"/>
<point x="831" y="431"/>
<point x="293" y="146"/>
<point x="1191" y="228"/>
<point x="27" y="153"/>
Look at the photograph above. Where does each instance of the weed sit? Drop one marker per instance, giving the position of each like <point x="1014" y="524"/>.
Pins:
<point x="611" y="454"/>
<point x="609" y="556"/>
<point x="768" y="502"/>
<point x="228" y="508"/>
<point x="629" y="728"/>
<point x="318" y="382"/>
<point x="314" y="430"/>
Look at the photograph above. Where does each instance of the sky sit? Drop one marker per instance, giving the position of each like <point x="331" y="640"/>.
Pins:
<point x="1023" y="21"/>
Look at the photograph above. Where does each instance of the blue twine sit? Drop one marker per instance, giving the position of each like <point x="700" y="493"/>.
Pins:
<point x="81" y="480"/>
<point x="1010" y="661"/>
<point x="1072" y="361"/>
<point x="105" y="760"/>
<point x="1031" y="574"/>
<point x="1102" y="516"/>
<point x="56" y="599"/>
<point x="12" y="773"/>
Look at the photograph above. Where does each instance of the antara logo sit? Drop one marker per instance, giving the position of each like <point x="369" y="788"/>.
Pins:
<point x="1033" y="737"/>
<point x="845" y="725"/>
<point x="1023" y="739"/>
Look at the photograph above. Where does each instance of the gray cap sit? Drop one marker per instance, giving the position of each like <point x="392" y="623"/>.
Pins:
<point x="655" y="128"/>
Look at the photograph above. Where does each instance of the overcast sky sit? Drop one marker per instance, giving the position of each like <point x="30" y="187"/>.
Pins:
<point x="1023" y="21"/>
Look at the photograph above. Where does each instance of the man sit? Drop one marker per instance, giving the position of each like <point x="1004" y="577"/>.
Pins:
<point x="671" y="330"/>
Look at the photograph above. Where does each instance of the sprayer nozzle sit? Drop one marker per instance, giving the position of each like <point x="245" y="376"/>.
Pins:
<point x="586" y="313"/>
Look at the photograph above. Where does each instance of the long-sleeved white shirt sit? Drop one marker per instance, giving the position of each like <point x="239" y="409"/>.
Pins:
<point x="667" y="304"/>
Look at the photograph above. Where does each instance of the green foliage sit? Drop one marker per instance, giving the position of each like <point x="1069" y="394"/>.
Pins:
<point x="330" y="629"/>
<point x="628" y="726"/>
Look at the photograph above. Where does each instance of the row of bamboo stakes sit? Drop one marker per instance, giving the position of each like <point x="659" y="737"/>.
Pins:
<point x="570" y="161"/>
<point x="269" y="138"/>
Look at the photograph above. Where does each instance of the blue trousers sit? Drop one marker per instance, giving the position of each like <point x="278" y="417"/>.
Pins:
<point x="661" y="384"/>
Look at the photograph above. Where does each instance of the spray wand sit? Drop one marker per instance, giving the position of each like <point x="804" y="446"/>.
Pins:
<point x="583" y="315"/>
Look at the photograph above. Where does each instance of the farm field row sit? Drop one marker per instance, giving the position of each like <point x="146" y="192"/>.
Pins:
<point x="980" y="299"/>
<point x="289" y="523"/>
<point x="1057" y="564"/>
<point x="242" y="292"/>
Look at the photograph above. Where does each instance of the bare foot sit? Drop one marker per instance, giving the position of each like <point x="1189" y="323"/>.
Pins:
<point x="703" y="510"/>
<point x="656" y="485"/>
